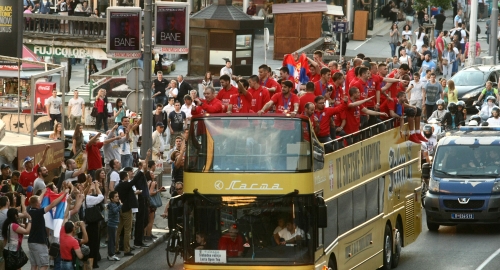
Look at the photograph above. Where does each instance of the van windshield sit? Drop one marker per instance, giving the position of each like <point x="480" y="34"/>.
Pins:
<point x="465" y="161"/>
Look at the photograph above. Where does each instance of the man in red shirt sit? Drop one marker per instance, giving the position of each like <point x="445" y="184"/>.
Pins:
<point x="29" y="174"/>
<point x="397" y="108"/>
<point x="440" y="47"/>
<point x="392" y="86"/>
<point x="334" y="67"/>
<point x="94" y="157"/>
<point x="68" y="243"/>
<point x="324" y="115"/>
<point x="242" y="101"/>
<point x="285" y="75"/>
<point x="284" y="102"/>
<point x="313" y="73"/>
<point x="350" y="74"/>
<point x="232" y="243"/>
<point x="309" y="109"/>
<point x="307" y="97"/>
<point x="226" y="91"/>
<point x="353" y="113"/>
<point x="321" y="87"/>
<point x="208" y="105"/>
<point x="267" y="82"/>
<point x="260" y="95"/>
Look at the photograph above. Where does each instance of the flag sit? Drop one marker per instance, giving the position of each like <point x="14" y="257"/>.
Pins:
<point x="298" y="69"/>
<point x="55" y="217"/>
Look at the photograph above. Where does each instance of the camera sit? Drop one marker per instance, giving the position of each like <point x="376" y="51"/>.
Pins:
<point x="330" y="88"/>
<point x="5" y="182"/>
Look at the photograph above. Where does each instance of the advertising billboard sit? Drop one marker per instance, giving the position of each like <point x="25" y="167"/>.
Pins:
<point x="11" y="29"/>
<point x="123" y="32"/>
<point x="172" y="27"/>
<point x="43" y="91"/>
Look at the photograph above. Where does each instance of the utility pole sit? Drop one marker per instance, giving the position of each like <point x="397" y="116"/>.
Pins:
<point x="472" y="32"/>
<point x="494" y="31"/>
<point x="147" y="110"/>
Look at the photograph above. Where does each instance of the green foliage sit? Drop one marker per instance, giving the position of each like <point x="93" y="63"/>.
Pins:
<point x="421" y="4"/>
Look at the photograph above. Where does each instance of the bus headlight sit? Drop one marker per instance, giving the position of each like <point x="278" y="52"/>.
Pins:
<point x="433" y="185"/>
<point x="496" y="187"/>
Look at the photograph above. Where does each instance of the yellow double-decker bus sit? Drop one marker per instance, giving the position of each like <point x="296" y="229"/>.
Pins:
<point x="260" y="193"/>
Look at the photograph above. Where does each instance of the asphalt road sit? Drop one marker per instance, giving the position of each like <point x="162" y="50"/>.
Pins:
<point x="462" y="247"/>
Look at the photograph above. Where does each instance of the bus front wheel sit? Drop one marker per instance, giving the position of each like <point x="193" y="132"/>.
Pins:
<point x="433" y="227"/>
<point x="387" y="248"/>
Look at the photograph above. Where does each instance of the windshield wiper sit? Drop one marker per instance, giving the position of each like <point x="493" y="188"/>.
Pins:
<point x="445" y="173"/>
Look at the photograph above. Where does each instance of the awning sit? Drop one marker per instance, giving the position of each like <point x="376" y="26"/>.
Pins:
<point x="334" y="10"/>
<point x="27" y="55"/>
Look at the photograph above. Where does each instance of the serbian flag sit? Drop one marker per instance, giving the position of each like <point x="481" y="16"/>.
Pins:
<point x="298" y="69"/>
<point x="55" y="217"/>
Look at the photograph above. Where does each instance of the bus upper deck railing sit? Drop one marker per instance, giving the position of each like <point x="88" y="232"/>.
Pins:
<point x="69" y="26"/>
<point x="362" y="134"/>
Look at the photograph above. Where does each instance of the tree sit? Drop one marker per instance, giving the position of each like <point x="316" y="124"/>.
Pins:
<point x="421" y="4"/>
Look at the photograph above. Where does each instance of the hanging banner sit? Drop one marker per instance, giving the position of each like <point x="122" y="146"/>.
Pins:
<point x="11" y="29"/>
<point x="123" y="38"/>
<point x="172" y="27"/>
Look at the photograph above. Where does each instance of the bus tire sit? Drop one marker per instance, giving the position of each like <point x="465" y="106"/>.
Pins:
<point x="332" y="263"/>
<point x="398" y="237"/>
<point x="433" y="227"/>
<point x="387" y="248"/>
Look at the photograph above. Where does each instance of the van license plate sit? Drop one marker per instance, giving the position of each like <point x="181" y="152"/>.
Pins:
<point x="462" y="216"/>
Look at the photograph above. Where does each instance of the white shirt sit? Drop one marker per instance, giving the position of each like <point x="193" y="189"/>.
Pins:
<point x="114" y="177"/>
<point x="168" y="109"/>
<point x="416" y="91"/>
<point x="493" y="122"/>
<point x="92" y="200"/>
<point x="55" y="105"/>
<point x="287" y="235"/>
<point x="429" y="145"/>
<point x="76" y="106"/>
<point x="124" y="147"/>
<point x="175" y="92"/>
<point x="187" y="110"/>
<point x="39" y="184"/>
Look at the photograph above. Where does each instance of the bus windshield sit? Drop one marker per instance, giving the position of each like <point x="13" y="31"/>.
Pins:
<point x="249" y="144"/>
<point x="251" y="229"/>
<point x="465" y="161"/>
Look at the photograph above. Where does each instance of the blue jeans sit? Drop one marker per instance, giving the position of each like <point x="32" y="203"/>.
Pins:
<point x="66" y="265"/>
<point x="57" y="262"/>
<point x="111" y="240"/>
<point x="127" y="160"/>
<point x="393" y="49"/>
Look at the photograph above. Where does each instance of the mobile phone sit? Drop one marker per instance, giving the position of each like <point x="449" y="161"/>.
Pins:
<point x="5" y="182"/>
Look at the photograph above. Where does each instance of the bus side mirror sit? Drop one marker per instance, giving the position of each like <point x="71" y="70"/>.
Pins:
<point x="322" y="217"/>
<point x="426" y="170"/>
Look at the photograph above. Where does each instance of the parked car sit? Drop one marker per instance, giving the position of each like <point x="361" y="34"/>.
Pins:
<point x="470" y="81"/>
<point x="68" y="138"/>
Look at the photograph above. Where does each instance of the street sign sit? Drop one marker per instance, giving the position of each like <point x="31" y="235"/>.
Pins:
<point x="340" y="27"/>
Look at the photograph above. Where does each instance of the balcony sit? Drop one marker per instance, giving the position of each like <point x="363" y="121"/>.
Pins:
<point x="57" y="30"/>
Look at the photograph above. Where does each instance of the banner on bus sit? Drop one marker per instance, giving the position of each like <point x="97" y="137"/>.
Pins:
<point x="124" y="32"/>
<point x="172" y="27"/>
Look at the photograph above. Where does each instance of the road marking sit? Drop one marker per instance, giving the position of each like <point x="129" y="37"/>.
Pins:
<point x="488" y="260"/>
<point x="362" y="44"/>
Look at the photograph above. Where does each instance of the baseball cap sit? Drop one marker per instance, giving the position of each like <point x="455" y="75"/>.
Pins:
<point x="160" y="124"/>
<point x="5" y="166"/>
<point x="27" y="159"/>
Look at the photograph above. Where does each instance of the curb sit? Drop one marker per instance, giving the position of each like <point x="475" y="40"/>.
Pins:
<point x="125" y="263"/>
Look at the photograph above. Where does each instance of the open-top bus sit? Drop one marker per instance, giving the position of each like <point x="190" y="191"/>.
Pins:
<point x="356" y="207"/>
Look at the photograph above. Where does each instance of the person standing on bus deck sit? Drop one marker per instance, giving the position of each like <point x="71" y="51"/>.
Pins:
<point x="208" y="105"/>
<point x="321" y="86"/>
<point x="242" y="101"/>
<point x="309" y="109"/>
<point x="354" y="109"/>
<point x="260" y="95"/>
<point x="284" y="102"/>
<point x="324" y="115"/>
<point x="307" y="97"/>
<point x="226" y="91"/>
<point x="231" y="242"/>
<point x="267" y="82"/>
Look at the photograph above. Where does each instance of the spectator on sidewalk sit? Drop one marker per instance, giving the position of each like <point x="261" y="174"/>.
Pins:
<point x="72" y="172"/>
<point x="184" y="88"/>
<point x="160" y="85"/>
<point x="123" y="132"/>
<point x="75" y="110"/>
<point x="142" y="215"/>
<point x="101" y="103"/>
<point x="158" y="144"/>
<point x="13" y="185"/>
<point x="53" y="105"/>
<point x="6" y="174"/>
<point x="93" y="197"/>
<point x="114" y="174"/>
<point x="112" y="150"/>
<point x="176" y="122"/>
<point x="30" y="173"/>
<point x="114" y="207"/>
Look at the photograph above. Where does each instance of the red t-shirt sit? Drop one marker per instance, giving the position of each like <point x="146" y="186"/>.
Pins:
<point x="320" y="88"/>
<point x="372" y="90"/>
<point x="349" y="77"/>
<point x="28" y="178"/>
<point x="379" y="83"/>
<point x="281" y="103"/>
<point x="439" y="40"/>
<point x="324" y="118"/>
<point x="94" y="156"/>
<point x="241" y="103"/>
<point x="67" y="243"/>
<point x="259" y="98"/>
<point x="270" y="83"/>
<point x="361" y="85"/>
<point x="99" y="103"/>
<point x="352" y="119"/>
<point x="224" y="95"/>
<point x="231" y="247"/>
<point x="303" y="100"/>
<point x="313" y="78"/>
<point x="212" y="106"/>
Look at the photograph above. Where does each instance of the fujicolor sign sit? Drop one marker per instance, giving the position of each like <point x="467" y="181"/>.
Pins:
<point x="68" y="52"/>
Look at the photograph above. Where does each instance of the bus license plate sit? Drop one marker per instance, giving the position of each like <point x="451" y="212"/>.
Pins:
<point x="462" y="216"/>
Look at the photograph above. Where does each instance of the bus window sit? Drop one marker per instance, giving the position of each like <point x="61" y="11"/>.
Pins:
<point x="255" y="229"/>
<point x="318" y="155"/>
<point x="248" y="144"/>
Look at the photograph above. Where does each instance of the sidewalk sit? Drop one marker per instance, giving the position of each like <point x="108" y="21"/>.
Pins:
<point x="159" y="230"/>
